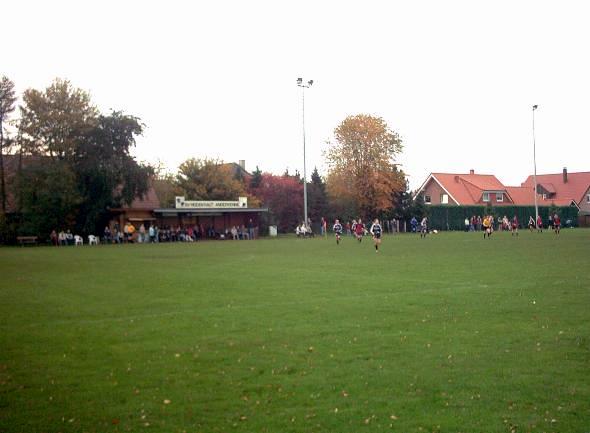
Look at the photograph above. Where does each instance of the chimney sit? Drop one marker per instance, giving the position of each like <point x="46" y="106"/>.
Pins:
<point x="472" y="171"/>
<point x="242" y="163"/>
<point x="564" y="174"/>
<point x="457" y="179"/>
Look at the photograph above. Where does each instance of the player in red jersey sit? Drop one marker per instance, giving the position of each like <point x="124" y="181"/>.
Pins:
<point x="556" y="223"/>
<point x="359" y="230"/>
<point x="514" y="226"/>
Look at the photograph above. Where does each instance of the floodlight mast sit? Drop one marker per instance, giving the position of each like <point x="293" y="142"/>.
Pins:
<point x="304" y="86"/>
<point x="535" y="170"/>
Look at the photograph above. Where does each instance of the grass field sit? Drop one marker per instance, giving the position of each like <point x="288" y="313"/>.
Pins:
<point x="447" y="334"/>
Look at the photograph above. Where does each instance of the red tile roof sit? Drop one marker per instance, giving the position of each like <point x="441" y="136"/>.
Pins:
<point x="467" y="189"/>
<point x="149" y="201"/>
<point x="574" y="189"/>
<point x="523" y="196"/>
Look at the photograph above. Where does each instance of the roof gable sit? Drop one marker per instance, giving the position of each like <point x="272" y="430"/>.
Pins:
<point x="576" y="186"/>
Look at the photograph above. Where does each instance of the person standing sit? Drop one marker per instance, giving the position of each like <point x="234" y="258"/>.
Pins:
<point x="466" y="224"/>
<point x="424" y="227"/>
<point x="539" y="224"/>
<point x="556" y="223"/>
<point x="376" y="231"/>
<point x="251" y="229"/>
<point x="414" y="224"/>
<point x="337" y="230"/>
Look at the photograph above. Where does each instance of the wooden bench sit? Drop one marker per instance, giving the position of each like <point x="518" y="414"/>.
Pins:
<point x="22" y="240"/>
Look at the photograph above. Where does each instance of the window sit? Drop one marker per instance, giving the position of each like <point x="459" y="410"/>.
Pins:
<point x="486" y="196"/>
<point x="588" y="198"/>
<point x="427" y="199"/>
<point x="499" y="197"/>
<point x="444" y="199"/>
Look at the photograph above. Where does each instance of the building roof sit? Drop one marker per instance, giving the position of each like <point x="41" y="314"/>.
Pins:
<point x="466" y="189"/>
<point x="148" y="201"/>
<point x="574" y="189"/>
<point x="523" y="196"/>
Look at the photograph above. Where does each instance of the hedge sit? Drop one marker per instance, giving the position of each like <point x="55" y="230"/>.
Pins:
<point x="448" y="217"/>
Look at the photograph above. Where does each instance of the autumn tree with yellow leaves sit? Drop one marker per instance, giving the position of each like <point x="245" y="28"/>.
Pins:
<point x="362" y="174"/>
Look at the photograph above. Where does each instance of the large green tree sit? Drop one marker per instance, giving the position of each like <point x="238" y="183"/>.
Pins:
<point x="60" y="130"/>
<point x="107" y="174"/>
<point x="7" y="101"/>
<point x="55" y="121"/>
<point x="361" y="163"/>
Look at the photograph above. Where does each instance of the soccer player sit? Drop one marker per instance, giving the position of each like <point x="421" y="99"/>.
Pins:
<point x="337" y="230"/>
<point x="424" y="227"/>
<point x="359" y="230"/>
<point x="531" y="223"/>
<point x="376" y="232"/>
<point x="539" y="224"/>
<point x="515" y="225"/>
<point x="487" y="225"/>
<point x="556" y="223"/>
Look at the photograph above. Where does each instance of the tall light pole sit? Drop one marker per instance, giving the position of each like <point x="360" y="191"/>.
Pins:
<point x="535" y="168"/>
<point x="304" y="86"/>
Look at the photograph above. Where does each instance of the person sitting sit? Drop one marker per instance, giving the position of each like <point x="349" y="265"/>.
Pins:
<point x="298" y="231"/>
<point x="234" y="233"/>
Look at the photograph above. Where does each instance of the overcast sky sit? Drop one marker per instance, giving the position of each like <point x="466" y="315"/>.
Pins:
<point x="456" y="79"/>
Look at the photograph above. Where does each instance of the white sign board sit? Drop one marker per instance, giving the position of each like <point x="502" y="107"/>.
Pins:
<point x="181" y="203"/>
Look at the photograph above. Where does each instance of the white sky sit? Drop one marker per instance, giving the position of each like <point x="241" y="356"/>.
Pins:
<point x="455" y="78"/>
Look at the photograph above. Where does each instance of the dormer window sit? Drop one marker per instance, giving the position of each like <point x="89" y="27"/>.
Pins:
<point x="499" y="197"/>
<point x="486" y="196"/>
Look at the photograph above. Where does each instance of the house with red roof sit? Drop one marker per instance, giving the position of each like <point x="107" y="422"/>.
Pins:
<point x="564" y="188"/>
<point x="468" y="190"/>
<point x="480" y="189"/>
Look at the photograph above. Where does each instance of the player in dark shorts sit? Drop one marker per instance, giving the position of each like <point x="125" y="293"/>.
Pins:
<point x="539" y="224"/>
<point x="556" y="224"/>
<point x="376" y="231"/>
<point x="514" y="226"/>
<point x="359" y="230"/>
<point x="337" y="230"/>
<point x="424" y="227"/>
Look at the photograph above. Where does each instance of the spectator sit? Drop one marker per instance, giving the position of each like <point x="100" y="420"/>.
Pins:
<point x="53" y="238"/>
<point x="234" y="233"/>
<point x="250" y="229"/>
<point x="69" y="238"/>
<point x="107" y="234"/>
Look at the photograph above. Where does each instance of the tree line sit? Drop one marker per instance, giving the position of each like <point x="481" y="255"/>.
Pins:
<point x="64" y="164"/>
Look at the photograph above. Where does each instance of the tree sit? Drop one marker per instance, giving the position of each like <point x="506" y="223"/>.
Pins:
<point x="7" y="100"/>
<point x="210" y="179"/>
<point x="361" y="164"/>
<point x="283" y="196"/>
<point x="256" y="179"/>
<point x="55" y="121"/>
<point x="107" y="174"/>
<point x="317" y="197"/>
<point x="49" y="197"/>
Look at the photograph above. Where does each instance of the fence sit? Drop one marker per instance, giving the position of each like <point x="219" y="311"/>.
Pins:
<point x="453" y="217"/>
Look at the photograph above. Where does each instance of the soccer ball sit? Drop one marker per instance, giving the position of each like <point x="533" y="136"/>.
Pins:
<point x="435" y="231"/>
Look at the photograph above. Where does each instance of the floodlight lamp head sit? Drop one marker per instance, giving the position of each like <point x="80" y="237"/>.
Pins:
<point x="535" y="107"/>
<point x="310" y="82"/>
<point x="299" y="81"/>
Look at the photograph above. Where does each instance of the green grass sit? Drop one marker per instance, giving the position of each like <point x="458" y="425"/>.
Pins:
<point x="447" y="334"/>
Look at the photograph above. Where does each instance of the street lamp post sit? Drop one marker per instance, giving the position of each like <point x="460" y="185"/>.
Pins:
<point x="535" y="168"/>
<point x="304" y="86"/>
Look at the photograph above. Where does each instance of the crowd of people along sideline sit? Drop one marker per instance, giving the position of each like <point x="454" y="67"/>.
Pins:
<point x="116" y="234"/>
